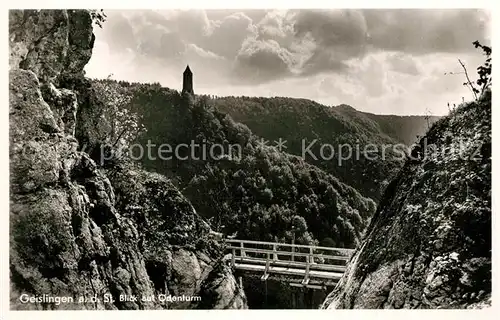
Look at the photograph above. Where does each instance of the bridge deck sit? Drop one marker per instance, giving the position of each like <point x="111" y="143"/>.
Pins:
<point x="325" y="267"/>
<point x="290" y="271"/>
<point x="291" y="264"/>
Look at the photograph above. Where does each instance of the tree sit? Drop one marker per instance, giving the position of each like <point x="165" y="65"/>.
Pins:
<point x="484" y="82"/>
<point x="484" y="71"/>
<point x="122" y="124"/>
<point x="299" y="224"/>
<point x="98" y="17"/>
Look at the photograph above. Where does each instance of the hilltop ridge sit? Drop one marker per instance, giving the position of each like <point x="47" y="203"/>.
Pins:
<point x="302" y="121"/>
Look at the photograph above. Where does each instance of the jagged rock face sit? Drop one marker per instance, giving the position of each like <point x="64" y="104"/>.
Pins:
<point x="429" y="244"/>
<point x="79" y="230"/>
<point x="49" y="42"/>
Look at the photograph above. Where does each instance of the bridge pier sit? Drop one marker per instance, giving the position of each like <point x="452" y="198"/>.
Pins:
<point x="278" y="292"/>
<point x="309" y="296"/>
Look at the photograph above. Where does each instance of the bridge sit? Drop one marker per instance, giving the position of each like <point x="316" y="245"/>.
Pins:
<point x="307" y="266"/>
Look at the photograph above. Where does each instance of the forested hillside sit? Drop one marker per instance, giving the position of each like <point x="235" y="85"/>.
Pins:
<point x="258" y="192"/>
<point x="302" y="122"/>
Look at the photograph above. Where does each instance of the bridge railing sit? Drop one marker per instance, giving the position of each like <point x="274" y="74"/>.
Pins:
<point x="289" y="255"/>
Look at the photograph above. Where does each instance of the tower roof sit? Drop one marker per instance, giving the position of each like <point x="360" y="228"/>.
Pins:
<point x="187" y="69"/>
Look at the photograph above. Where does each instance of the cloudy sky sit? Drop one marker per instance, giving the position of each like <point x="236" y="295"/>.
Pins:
<point x="379" y="61"/>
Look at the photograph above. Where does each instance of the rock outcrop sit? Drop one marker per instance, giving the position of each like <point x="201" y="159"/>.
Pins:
<point x="80" y="230"/>
<point x="429" y="244"/>
<point x="50" y="42"/>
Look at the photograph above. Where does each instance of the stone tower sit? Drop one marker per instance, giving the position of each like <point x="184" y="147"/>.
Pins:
<point x="187" y="84"/>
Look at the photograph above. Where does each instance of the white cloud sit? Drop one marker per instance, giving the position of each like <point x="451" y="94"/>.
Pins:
<point x="262" y="60"/>
<point x="229" y="33"/>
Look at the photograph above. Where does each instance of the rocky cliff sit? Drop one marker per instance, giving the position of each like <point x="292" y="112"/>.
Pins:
<point x="429" y="243"/>
<point x="77" y="229"/>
